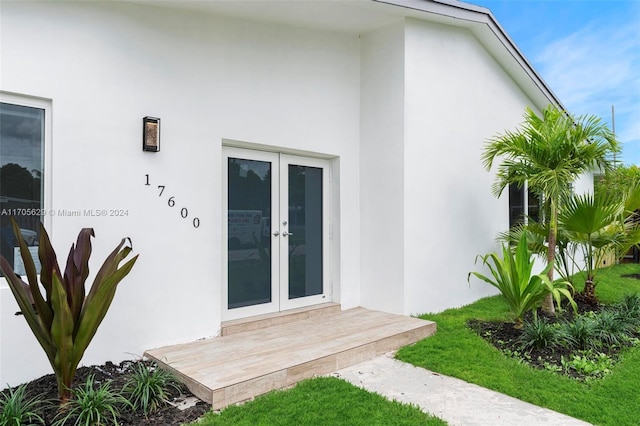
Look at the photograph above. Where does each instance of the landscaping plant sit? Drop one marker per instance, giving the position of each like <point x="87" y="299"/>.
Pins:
<point x="548" y="153"/>
<point x="537" y="233"/>
<point x="16" y="409"/>
<point x="462" y="351"/>
<point x="628" y="311"/>
<point x="147" y="387"/>
<point x="617" y="181"/>
<point x="65" y="318"/>
<point x="512" y="276"/>
<point x="599" y="225"/>
<point x="539" y="333"/>
<point x="591" y="365"/>
<point x="581" y="332"/>
<point x="610" y="328"/>
<point x="91" y="406"/>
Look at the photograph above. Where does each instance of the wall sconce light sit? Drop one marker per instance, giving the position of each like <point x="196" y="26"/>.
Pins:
<point x="151" y="134"/>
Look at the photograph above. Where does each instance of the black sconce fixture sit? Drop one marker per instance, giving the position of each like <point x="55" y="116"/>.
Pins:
<point x="151" y="134"/>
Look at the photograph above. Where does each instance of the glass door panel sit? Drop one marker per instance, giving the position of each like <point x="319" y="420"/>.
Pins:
<point x="276" y="232"/>
<point x="251" y="255"/>
<point x="305" y="227"/>
<point x="249" y="258"/>
<point x="304" y="184"/>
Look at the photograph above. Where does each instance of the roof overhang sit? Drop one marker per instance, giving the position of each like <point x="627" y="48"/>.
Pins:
<point x="360" y="16"/>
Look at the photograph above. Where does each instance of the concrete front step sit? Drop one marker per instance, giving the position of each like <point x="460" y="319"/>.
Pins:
<point x="241" y="365"/>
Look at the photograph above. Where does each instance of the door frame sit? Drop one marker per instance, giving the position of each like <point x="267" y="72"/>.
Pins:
<point x="279" y="245"/>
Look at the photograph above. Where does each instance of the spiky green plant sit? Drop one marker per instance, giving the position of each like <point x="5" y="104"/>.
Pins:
<point x="628" y="311"/>
<point x="16" y="409"/>
<point x="611" y="328"/>
<point x="91" y="405"/>
<point x="147" y="388"/>
<point x="65" y="319"/>
<point x="539" y="333"/>
<point x="513" y="277"/>
<point x="581" y="333"/>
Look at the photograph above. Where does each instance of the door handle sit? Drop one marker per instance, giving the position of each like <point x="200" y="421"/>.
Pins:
<point x="276" y="233"/>
<point x="285" y="233"/>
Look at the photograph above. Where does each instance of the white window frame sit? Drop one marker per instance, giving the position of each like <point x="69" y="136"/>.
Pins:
<point x="47" y="149"/>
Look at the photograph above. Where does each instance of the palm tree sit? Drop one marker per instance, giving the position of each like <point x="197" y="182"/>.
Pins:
<point x="598" y="225"/>
<point x="549" y="153"/>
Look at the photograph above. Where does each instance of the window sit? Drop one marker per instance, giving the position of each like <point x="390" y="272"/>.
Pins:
<point x="22" y="136"/>
<point x="519" y="205"/>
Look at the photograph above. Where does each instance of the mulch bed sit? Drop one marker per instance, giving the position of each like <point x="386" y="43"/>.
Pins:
<point x="636" y="276"/>
<point x="169" y="415"/>
<point x="504" y="336"/>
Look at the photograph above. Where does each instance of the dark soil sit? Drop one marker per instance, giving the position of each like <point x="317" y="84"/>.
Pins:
<point x="169" y="415"/>
<point x="636" y="276"/>
<point x="504" y="336"/>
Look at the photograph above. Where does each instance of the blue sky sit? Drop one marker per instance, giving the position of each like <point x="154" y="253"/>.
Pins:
<point x="587" y="51"/>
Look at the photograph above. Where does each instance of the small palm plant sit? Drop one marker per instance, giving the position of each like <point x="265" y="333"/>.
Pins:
<point x="65" y="319"/>
<point x="597" y="224"/>
<point x="522" y="290"/>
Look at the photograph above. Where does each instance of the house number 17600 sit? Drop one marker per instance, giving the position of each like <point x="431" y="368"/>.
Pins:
<point x="171" y="202"/>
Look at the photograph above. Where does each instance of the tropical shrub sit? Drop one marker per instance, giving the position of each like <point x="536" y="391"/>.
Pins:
<point x="581" y="333"/>
<point x="91" y="406"/>
<point x="17" y="409"/>
<point x="539" y="333"/>
<point x="548" y="153"/>
<point x="599" y="225"/>
<point x="628" y="311"/>
<point x="611" y="328"/>
<point x="65" y="319"/>
<point x="537" y="232"/>
<point x="617" y="181"/>
<point x="147" y="387"/>
<point x="512" y="276"/>
<point x="630" y="303"/>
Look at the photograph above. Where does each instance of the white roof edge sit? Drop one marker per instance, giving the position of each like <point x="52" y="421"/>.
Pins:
<point x="480" y="15"/>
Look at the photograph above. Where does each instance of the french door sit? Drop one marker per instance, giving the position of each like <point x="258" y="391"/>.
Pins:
<point x="276" y="207"/>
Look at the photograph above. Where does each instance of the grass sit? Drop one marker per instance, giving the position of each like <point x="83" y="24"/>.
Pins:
<point x="457" y="351"/>
<point x="322" y="401"/>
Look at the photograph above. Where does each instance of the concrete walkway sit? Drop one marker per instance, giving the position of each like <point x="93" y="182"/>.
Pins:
<point x="457" y="402"/>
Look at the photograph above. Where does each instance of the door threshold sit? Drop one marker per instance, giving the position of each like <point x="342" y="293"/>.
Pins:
<point x="266" y="320"/>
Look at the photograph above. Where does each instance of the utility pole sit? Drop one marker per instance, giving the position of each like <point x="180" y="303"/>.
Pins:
<point x="613" y="128"/>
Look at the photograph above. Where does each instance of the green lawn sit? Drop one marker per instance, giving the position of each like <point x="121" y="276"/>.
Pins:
<point x="457" y="351"/>
<point x="321" y="401"/>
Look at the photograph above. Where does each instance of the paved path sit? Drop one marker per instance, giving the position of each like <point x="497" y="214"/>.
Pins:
<point x="453" y="400"/>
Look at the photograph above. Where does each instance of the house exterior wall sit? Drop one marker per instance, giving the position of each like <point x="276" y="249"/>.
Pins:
<point x="104" y="66"/>
<point x="382" y="168"/>
<point x="451" y="215"/>
<point x="401" y="112"/>
<point x="423" y="127"/>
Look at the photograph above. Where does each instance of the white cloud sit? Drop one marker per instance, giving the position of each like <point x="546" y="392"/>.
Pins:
<point x="594" y="68"/>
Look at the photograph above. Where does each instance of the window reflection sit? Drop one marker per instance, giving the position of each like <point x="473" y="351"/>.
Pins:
<point x="249" y="230"/>
<point x="21" y="178"/>
<point x="305" y="223"/>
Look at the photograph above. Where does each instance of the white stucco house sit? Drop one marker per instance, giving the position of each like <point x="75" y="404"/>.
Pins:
<point x="309" y="152"/>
